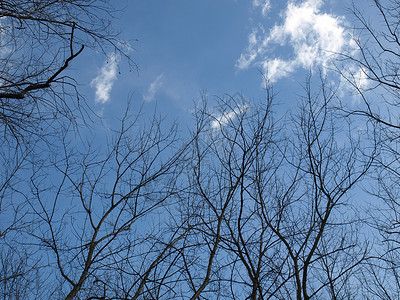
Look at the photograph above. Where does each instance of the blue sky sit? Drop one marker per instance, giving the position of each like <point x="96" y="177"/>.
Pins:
<point x="183" y="48"/>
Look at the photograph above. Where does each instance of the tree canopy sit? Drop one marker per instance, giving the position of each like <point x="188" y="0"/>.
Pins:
<point x="249" y="204"/>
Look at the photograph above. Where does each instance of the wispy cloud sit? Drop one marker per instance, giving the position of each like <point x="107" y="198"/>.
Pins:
<point x="226" y="117"/>
<point x="254" y="49"/>
<point x="314" y="37"/>
<point x="265" y="5"/>
<point x="154" y="88"/>
<point x="104" y="81"/>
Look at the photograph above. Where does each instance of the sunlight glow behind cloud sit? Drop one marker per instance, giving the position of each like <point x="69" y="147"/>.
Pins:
<point x="104" y="81"/>
<point x="313" y="36"/>
<point x="154" y="88"/>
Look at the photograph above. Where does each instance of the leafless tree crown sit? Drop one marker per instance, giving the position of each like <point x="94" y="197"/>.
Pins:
<point x="251" y="204"/>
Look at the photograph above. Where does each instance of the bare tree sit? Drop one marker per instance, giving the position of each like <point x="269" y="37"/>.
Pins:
<point x="98" y="221"/>
<point x="377" y="61"/>
<point x="252" y="207"/>
<point x="38" y="102"/>
<point x="39" y="40"/>
<point x="255" y="205"/>
<point x="271" y="203"/>
<point x="320" y="237"/>
<point x="378" y="58"/>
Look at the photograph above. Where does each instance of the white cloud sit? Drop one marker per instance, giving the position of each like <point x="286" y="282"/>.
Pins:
<point x="313" y="36"/>
<point x="264" y="4"/>
<point x="154" y="88"/>
<point x="224" y="119"/>
<point x="278" y="67"/>
<point x="254" y="48"/>
<point x="104" y="81"/>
